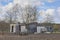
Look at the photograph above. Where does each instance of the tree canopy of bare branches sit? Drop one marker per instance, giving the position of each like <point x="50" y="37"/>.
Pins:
<point x="27" y="14"/>
<point x="30" y="14"/>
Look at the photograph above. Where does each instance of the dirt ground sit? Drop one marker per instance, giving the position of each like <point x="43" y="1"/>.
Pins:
<point x="31" y="37"/>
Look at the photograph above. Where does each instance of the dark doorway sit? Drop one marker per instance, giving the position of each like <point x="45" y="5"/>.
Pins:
<point x="19" y="28"/>
<point x="12" y="28"/>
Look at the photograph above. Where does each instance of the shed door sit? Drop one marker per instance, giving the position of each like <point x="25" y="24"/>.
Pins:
<point x="39" y="30"/>
<point x="12" y="28"/>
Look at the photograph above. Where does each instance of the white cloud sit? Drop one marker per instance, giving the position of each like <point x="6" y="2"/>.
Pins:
<point x="31" y="2"/>
<point x="50" y="11"/>
<point x="7" y="7"/>
<point x="5" y="1"/>
<point x="1" y="12"/>
<point x="43" y="13"/>
<point x="3" y="9"/>
<point x="50" y="1"/>
<point x="58" y="10"/>
<point x="22" y="3"/>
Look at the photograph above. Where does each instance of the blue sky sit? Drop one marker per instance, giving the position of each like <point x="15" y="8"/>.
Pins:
<point x="5" y="2"/>
<point x="45" y="6"/>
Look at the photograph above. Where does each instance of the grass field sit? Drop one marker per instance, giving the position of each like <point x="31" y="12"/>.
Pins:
<point x="31" y="37"/>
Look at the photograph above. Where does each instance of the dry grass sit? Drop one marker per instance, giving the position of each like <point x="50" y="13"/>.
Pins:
<point x="31" y="37"/>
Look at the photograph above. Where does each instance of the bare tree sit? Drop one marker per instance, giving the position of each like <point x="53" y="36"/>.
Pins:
<point x="8" y="16"/>
<point x="13" y="13"/>
<point x="49" y="19"/>
<point x="29" y="14"/>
